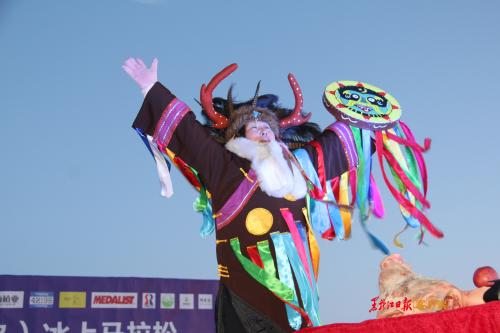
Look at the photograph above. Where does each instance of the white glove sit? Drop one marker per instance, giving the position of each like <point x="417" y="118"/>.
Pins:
<point x="145" y="77"/>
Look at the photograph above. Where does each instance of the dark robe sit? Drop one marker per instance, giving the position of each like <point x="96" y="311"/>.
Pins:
<point x="242" y="301"/>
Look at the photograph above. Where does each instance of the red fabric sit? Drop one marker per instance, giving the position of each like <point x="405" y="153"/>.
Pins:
<point x="321" y="164"/>
<point x="483" y="318"/>
<point x="414" y="211"/>
<point x="254" y="255"/>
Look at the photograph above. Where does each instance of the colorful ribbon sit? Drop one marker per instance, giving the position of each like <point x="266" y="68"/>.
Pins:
<point x="261" y="276"/>
<point x="321" y="164"/>
<point x="417" y="154"/>
<point x="274" y="285"/>
<point x="266" y="257"/>
<point x="362" y="139"/>
<point x="318" y="210"/>
<point x="334" y="212"/>
<point x="412" y="209"/>
<point x="162" y="165"/>
<point x="375" y="199"/>
<point x="300" y="272"/>
<point x="287" y="215"/>
<point x="344" y="200"/>
<point x="313" y="244"/>
<point x="285" y="275"/>
<point x="253" y="253"/>
<point x="303" y="235"/>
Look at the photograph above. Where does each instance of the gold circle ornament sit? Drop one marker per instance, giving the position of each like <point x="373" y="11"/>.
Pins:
<point x="259" y="221"/>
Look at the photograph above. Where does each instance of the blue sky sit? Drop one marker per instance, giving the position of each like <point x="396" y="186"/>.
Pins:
<point x="79" y="193"/>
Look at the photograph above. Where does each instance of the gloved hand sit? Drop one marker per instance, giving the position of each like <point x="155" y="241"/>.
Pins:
<point x="145" y="77"/>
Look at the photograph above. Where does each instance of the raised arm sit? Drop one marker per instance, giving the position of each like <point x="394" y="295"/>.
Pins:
<point x="173" y="128"/>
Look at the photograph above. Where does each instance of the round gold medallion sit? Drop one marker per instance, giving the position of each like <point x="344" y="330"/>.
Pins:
<point x="259" y="221"/>
<point x="290" y="197"/>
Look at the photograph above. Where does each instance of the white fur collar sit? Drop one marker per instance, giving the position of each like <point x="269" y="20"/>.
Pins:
<point x="274" y="175"/>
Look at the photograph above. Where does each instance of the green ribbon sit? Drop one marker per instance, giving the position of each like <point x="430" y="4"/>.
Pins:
<point x="286" y="276"/>
<point x="362" y="195"/>
<point x="202" y="205"/>
<point x="261" y="275"/>
<point x="266" y="257"/>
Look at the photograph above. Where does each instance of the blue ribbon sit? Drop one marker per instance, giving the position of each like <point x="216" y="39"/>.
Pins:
<point x="364" y="178"/>
<point x="208" y="224"/>
<point x="285" y="276"/>
<point x="146" y="142"/>
<point x="303" y="235"/>
<point x="317" y="210"/>
<point x="334" y="213"/>
<point x="364" y="152"/>
<point x="306" y="292"/>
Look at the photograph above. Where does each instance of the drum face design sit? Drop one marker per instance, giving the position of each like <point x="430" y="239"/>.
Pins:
<point x="361" y="105"/>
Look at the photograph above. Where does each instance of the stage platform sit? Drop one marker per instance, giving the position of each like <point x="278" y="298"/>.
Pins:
<point x="473" y="319"/>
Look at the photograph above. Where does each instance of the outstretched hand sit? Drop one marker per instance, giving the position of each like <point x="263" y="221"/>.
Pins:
<point x="145" y="77"/>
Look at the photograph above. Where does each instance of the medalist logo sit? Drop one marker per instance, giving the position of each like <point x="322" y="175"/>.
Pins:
<point x="11" y="299"/>
<point x="148" y="300"/>
<point x="41" y="299"/>
<point x="114" y="300"/>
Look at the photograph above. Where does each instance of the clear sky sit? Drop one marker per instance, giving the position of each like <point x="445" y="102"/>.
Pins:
<point x="79" y="193"/>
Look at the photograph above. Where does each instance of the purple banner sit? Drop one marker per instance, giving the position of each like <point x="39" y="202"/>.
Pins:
<point x="106" y="305"/>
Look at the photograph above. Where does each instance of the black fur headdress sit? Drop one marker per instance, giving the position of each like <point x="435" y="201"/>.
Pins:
<point x="294" y="137"/>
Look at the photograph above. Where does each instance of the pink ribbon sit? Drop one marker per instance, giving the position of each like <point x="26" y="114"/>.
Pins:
<point x="288" y="216"/>
<point x="418" y="155"/>
<point x="405" y="203"/>
<point x="378" y="205"/>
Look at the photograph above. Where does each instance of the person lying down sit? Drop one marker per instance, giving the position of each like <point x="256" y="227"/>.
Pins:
<point x="403" y="292"/>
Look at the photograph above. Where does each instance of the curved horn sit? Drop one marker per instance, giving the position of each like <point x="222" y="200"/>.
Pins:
<point x="206" y="97"/>
<point x="295" y="118"/>
<point x="229" y="99"/>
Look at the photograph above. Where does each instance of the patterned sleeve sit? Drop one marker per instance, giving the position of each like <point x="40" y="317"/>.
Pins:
<point x="334" y="151"/>
<point x="172" y="127"/>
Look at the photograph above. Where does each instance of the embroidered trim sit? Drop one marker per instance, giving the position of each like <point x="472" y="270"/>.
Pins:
<point x="246" y="175"/>
<point x="170" y="119"/>
<point x="222" y="271"/>
<point x="347" y="139"/>
<point x="237" y="201"/>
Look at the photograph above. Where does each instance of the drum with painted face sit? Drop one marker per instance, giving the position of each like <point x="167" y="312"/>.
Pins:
<point x="373" y="117"/>
<point x="361" y="105"/>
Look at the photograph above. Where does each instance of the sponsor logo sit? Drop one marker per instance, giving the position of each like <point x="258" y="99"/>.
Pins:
<point x="205" y="301"/>
<point x="114" y="300"/>
<point x="148" y="300"/>
<point x="72" y="299"/>
<point x="41" y="299"/>
<point x="186" y="301"/>
<point x="11" y="299"/>
<point x="431" y="304"/>
<point x="167" y="301"/>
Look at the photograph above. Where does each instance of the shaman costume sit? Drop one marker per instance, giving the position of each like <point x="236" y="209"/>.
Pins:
<point x="263" y="201"/>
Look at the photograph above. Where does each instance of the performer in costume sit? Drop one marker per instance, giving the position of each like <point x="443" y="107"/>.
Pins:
<point x="263" y="200"/>
<point x="266" y="252"/>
